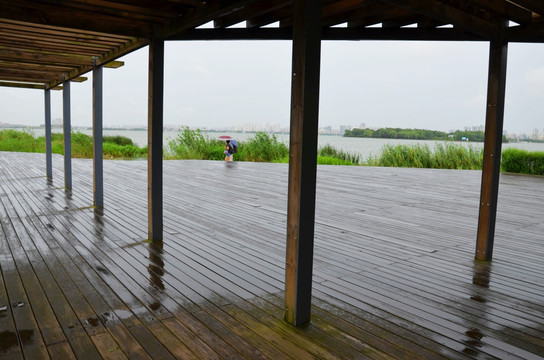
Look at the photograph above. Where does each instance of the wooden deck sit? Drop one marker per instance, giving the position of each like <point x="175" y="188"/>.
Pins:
<point x="394" y="275"/>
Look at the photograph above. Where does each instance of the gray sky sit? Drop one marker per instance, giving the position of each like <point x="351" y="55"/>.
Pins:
<point x="431" y="85"/>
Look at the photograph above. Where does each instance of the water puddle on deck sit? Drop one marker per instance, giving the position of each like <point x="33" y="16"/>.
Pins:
<point x="10" y="339"/>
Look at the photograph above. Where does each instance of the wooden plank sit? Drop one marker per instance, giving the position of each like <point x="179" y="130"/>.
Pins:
<point x="61" y="351"/>
<point x="27" y="328"/>
<point x="217" y="282"/>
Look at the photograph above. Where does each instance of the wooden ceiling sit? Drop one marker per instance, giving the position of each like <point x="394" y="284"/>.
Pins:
<point x="43" y="42"/>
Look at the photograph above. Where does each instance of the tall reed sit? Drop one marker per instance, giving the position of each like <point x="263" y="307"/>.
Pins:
<point x="346" y="157"/>
<point x="444" y="156"/>
<point x="262" y="147"/>
<point x="193" y="144"/>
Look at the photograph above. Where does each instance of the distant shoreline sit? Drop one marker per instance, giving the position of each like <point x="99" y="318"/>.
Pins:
<point x="175" y="129"/>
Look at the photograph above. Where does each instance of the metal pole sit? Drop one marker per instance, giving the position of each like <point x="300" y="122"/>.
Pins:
<point x="154" y="139"/>
<point x="67" y="131"/>
<point x="98" y="162"/>
<point x="48" y="151"/>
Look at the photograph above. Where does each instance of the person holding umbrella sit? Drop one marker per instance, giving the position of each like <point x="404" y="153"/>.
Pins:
<point x="228" y="151"/>
<point x="230" y="147"/>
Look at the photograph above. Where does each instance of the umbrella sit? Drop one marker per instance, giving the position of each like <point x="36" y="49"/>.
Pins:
<point x="227" y="137"/>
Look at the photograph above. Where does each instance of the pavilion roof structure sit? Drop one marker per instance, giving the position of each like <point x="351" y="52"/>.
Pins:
<point x="44" y="42"/>
<point x="47" y="44"/>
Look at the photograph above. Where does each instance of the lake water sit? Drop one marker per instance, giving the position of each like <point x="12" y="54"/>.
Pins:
<point x="364" y="146"/>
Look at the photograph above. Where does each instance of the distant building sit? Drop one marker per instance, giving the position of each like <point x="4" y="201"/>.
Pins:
<point x="343" y="128"/>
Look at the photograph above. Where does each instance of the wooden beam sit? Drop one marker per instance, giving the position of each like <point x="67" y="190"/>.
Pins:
<point x="506" y="9"/>
<point x="253" y="10"/>
<point x="302" y="160"/>
<point x="423" y="34"/>
<point x="498" y="51"/>
<point x="526" y="33"/>
<point x="449" y="14"/>
<point x="98" y="155"/>
<point x="202" y="15"/>
<point x="48" y="149"/>
<point x="536" y="6"/>
<point x="409" y="34"/>
<point x="114" y="64"/>
<point x="154" y="139"/>
<point x="67" y="131"/>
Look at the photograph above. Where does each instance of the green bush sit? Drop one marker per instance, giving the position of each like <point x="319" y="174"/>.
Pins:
<point x="523" y="162"/>
<point x="117" y="139"/>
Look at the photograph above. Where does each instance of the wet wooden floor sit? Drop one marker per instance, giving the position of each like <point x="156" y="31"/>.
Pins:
<point x="394" y="275"/>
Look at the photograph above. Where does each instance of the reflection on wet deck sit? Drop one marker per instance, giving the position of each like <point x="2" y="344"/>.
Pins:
<point x="394" y="275"/>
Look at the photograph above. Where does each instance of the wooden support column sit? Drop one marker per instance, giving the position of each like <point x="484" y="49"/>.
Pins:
<point x="48" y="151"/>
<point x="154" y="139"/>
<point x="498" y="51"/>
<point x="98" y="162"/>
<point x="302" y="160"/>
<point x="67" y="131"/>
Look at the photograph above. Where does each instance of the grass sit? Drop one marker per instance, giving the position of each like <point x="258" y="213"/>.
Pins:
<point x="114" y="147"/>
<point x="22" y="141"/>
<point x="193" y="144"/>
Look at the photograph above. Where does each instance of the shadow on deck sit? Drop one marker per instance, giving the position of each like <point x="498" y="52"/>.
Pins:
<point x="394" y="275"/>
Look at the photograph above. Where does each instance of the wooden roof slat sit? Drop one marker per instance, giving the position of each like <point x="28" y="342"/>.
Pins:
<point x="40" y="13"/>
<point x="333" y="9"/>
<point x="506" y="9"/>
<point x="32" y="32"/>
<point x="374" y="14"/>
<point x="214" y="9"/>
<point x="526" y="33"/>
<point x="38" y="57"/>
<point x="22" y="64"/>
<point x="536" y="6"/>
<point x="130" y="9"/>
<point x="256" y="9"/>
<point x="64" y="36"/>
<point x="62" y="31"/>
<point x="22" y="85"/>
<point x="48" y="44"/>
<point x="270" y="17"/>
<point x="449" y="14"/>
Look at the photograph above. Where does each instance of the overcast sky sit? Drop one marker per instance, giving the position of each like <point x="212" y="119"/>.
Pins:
<point x="431" y="85"/>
